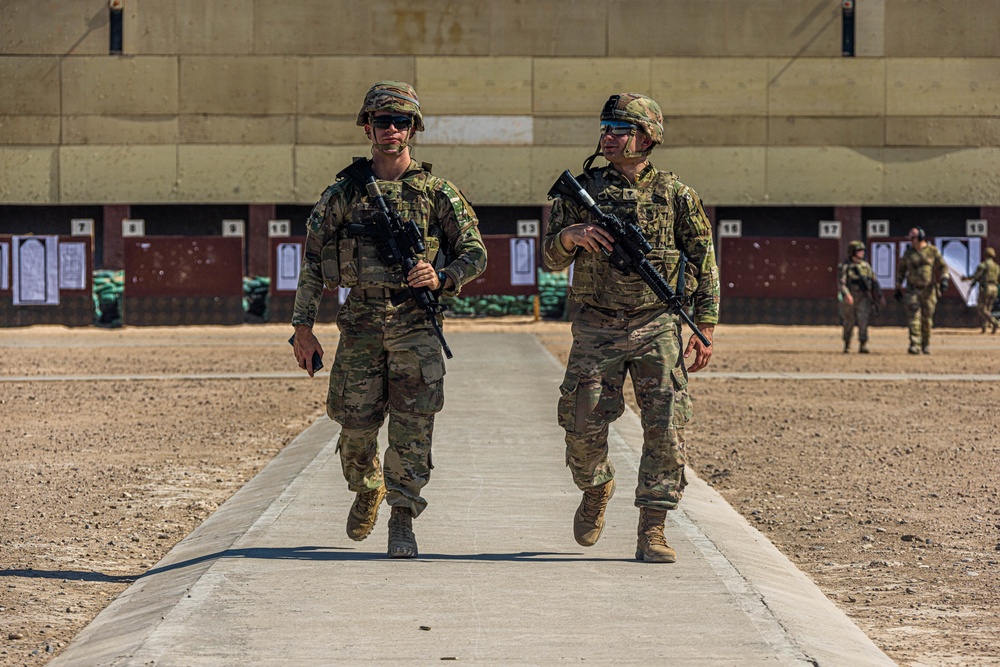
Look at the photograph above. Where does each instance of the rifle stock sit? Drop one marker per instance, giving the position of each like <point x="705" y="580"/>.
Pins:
<point x="398" y="243"/>
<point x="628" y="253"/>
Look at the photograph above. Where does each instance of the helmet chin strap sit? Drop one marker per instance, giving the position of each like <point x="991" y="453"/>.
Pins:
<point x="626" y="152"/>
<point x="391" y="149"/>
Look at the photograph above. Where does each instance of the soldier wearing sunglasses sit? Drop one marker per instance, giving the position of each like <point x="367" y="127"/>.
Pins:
<point x="623" y="328"/>
<point x="389" y="361"/>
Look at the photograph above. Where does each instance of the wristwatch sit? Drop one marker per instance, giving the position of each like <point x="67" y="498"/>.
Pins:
<point x="442" y="276"/>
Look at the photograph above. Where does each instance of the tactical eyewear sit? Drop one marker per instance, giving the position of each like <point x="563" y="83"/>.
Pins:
<point x="616" y="127"/>
<point x="384" y="122"/>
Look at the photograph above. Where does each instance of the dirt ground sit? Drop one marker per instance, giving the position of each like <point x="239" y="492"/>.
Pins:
<point x="882" y="489"/>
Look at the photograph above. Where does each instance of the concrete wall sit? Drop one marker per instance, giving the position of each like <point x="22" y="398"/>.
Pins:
<point x="255" y="100"/>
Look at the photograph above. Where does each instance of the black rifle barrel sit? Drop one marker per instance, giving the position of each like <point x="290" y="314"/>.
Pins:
<point x="629" y="250"/>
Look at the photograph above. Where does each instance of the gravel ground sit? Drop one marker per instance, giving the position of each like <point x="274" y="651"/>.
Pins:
<point x="877" y="475"/>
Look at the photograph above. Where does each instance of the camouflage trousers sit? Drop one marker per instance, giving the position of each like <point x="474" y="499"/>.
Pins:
<point x="920" y="303"/>
<point x="857" y="314"/>
<point x="388" y="362"/>
<point x="984" y="306"/>
<point x="647" y="346"/>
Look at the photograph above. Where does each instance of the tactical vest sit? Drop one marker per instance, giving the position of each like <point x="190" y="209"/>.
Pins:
<point x="351" y="258"/>
<point x="653" y="209"/>
<point x="860" y="278"/>
<point x="992" y="274"/>
<point x="920" y="265"/>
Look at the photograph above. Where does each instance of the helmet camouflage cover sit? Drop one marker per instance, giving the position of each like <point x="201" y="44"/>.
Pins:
<point x="638" y="110"/>
<point x="991" y="253"/>
<point x="855" y="246"/>
<point x="392" y="96"/>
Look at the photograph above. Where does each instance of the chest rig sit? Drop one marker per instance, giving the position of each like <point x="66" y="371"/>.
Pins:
<point x="357" y="249"/>
<point x="650" y="204"/>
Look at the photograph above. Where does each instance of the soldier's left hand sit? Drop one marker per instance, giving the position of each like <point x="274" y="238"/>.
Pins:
<point x="423" y="275"/>
<point x="703" y="353"/>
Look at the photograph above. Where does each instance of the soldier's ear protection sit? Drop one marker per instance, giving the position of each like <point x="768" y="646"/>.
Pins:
<point x="921" y="235"/>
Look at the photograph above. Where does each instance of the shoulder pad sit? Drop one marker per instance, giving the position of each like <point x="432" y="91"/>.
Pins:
<point x="318" y="213"/>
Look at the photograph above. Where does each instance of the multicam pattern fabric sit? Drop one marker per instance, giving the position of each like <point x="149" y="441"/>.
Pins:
<point x="671" y="218"/>
<point x="920" y="268"/>
<point x="388" y="360"/>
<point x="857" y="279"/>
<point x="624" y="329"/>
<point x="638" y="110"/>
<point x="646" y="344"/>
<point x="987" y="275"/>
<point x="388" y="363"/>
<point x="392" y="96"/>
<point x="337" y="259"/>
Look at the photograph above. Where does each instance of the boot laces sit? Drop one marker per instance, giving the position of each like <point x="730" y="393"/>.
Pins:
<point x="399" y="528"/>
<point x="593" y="504"/>
<point x="366" y="501"/>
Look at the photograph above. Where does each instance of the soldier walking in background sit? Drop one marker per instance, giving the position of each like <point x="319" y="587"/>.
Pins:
<point x="926" y="276"/>
<point x="389" y="359"/>
<point x="987" y="275"/>
<point x="623" y="328"/>
<point x="860" y="295"/>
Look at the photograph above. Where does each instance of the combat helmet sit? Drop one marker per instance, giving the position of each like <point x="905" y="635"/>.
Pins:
<point x="991" y="253"/>
<point x="638" y="110"/>
<point x="853" y="247"/>
<point x="392" y="96"/>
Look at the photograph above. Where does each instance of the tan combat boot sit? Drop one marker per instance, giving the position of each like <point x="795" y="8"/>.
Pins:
<point x="364" y="512"/>
<point x="402" y="541"/>
<point x="652" y="547"/>
<point x="589" y="519"/>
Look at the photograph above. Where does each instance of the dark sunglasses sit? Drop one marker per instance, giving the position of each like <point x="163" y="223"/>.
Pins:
<point x="618" y="127"/>
<point x="383" y="122"/>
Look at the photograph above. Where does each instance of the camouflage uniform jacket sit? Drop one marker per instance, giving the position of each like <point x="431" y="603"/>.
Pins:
<point x="672" y="219"/>
<point x="857" y="278"/>
<point x="987" y="273"/>
<point x="338" y="257"/>
<point x="921" y="267"/>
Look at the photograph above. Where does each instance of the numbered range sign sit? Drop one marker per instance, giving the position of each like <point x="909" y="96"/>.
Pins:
<point x="976" y="228"/>
<point x="233" y="228"/>
<point x="878" y="229"/>
<point x="279" y="228"/>
<point x="528" y="227"/>
<point x="133" y="227"/>
<point x="731" y="228"/>
<point x="829" y="229"/>
<point x="82" y="227"/>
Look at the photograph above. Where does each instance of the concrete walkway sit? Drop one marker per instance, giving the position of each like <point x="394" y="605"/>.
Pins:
<point x="272" y="579"/>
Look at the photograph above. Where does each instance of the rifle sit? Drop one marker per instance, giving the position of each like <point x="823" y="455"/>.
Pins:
<point x="628" y="253"/>
<point x="397" y="243"/>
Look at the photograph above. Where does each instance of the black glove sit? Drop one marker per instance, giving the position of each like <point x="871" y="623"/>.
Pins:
<point x="898" y="294"/>
<point x="945" y="282"/>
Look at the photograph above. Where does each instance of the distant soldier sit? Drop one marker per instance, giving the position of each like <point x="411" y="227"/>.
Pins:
<point x="860" y="295"/>
<point x="926" y="275"/>
<point x="987" y="275"/>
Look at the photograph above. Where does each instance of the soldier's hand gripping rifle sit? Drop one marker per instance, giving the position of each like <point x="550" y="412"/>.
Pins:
<point x="398" y="243"/>
<point x="628" y="252"/>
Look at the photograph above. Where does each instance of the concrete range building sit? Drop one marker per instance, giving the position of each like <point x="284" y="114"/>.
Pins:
<point x="802" y="124"/>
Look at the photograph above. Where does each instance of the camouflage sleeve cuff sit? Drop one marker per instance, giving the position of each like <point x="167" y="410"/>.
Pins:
<point x="555" y="255"/>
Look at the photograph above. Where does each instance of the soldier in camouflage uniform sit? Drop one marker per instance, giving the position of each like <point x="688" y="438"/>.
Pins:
<point x="926" y="275"/>
<point x="987" y="275"/>
<point x="859" y="293"/>
<point x="388" y="360"/>
<point x="622" y="328"/>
